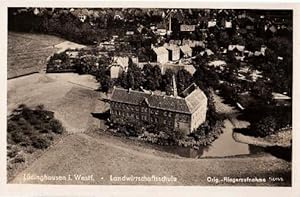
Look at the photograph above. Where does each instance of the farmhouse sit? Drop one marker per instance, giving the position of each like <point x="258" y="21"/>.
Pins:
<point x="174" y="52"/>
<point x="119" y="65"/>
<point x="187" y="28"/>
<point x="162" y="54"/>
<point x="184" y="113"/>
<point x="186" y="51"/>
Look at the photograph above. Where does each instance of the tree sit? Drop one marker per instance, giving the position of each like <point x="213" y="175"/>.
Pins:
<point x="183" y="80"/>
<point x="166" y="83"/>
<point x="133" y="78"/>
<point x="265" y="126"/>
<point x="262" y="91"/>
<point x="224" y="39"/>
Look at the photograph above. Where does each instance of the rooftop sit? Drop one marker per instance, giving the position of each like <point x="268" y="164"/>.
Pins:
<point x="160" y="50"/>
<point x="193" y="100"/>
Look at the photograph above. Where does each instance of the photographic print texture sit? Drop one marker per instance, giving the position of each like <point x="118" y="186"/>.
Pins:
<point x="149" y="96"/>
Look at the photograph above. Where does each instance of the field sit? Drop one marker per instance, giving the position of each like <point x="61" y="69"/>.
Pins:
<point x="70" y="96"/>
<point x="101" y="156"/>
<point x="27" y="53"/>
<point x="72" y="103"/>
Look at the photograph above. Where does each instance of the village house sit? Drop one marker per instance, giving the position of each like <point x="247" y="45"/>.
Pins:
<point x="211" y="23"/>
<point x="281" y="99"/>
<point x="207" y="52"/>
<point x="193" y="43"/>
<point x="119" y="65"/>
<point x="228" y="24"/>
<point x="187" y="28"/>
<point x="160" y="30"/>
<point x="183" y="114"/>
<point x="174" y="52"/>
<point x="186" y="51"/>
<point x="175" y="42"/>
<point x="161" y="54"/>
<point x="81" y="14"/>
<point x="238" y="51"/>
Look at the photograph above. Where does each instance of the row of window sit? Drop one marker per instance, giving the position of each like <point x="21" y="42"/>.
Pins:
<point x="142" y="117"/>
<point x="143" y="109"/>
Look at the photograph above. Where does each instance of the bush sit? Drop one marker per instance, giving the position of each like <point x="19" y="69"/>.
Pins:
<point x="40" y="142"/>
<point x="56" y="126"/>
<point x="13" y="152"/>
<point x="266" y="126"/>
<point x="19" y="159"/>
<point x="17" y="137"/>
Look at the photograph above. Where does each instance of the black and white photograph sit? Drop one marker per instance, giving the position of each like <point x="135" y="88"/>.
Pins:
<point x="149" y="96"/>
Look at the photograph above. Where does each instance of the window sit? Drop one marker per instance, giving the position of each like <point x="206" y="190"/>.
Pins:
<point x="144" y="109"/>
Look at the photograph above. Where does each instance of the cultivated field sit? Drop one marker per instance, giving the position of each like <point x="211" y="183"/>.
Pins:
<point x="28" y="53"/>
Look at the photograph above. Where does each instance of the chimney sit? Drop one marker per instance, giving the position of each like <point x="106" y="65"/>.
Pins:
<point x="174" y="86"/>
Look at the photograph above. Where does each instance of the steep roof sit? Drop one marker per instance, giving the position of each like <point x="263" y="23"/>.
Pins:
<point x="278" y="96"/>
<point x="160" y="50"/>
<point x="238" y="47"/>
<point x="195" y="99"/>
<point x="185" y="49"/>
<point x="121" y="61"/>
<point x="170" y="103"/>
<point x="171" y="47"/>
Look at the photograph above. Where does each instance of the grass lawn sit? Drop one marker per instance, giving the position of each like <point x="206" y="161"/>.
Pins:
<point x="101" y="156"/>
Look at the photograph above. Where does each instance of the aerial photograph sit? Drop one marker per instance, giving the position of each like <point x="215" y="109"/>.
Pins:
<point x="149" y="96"/>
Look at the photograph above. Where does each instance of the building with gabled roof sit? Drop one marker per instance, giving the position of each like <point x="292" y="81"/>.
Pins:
<point x="119" y="65"/>
<point x="179" y="113"/>
<point x="162" y="54"/>
<point x="174" y="51"/>
<point x="187" y="28"/>
<point x="186" y="51"/>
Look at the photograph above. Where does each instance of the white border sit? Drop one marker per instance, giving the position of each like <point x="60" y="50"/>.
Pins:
<point x="80" y="190"/>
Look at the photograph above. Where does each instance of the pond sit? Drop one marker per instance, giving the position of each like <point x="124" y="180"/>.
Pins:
<point x="224" y="146"/>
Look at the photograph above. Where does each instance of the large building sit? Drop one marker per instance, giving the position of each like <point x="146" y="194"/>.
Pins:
<point x="185" y="113"/>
